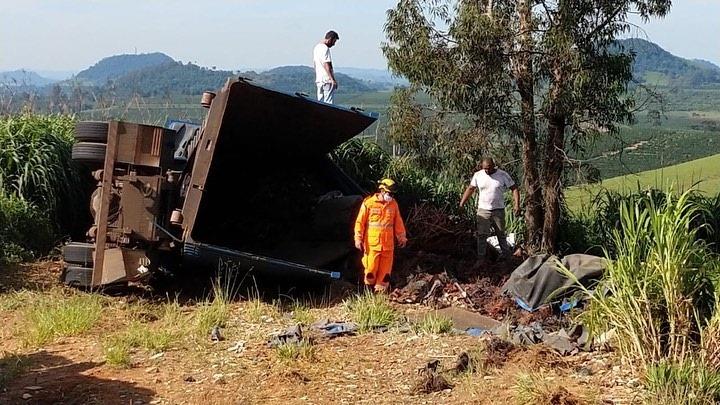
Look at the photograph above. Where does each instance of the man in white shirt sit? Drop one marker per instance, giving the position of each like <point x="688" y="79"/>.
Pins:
<point x="324" y="73"/>
<point x="491" y="183"/>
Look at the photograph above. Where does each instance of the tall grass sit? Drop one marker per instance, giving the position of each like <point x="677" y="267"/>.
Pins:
<point x="590" y="228"/>
<point x="36" y="169"/>
<point x="371" y="311"/>
<point x="657" y="293"/>
<point x="35" y="159"/>
<point x="54" y="316"/>
<point x="23" y="229"/>
<point x="688" y="383"/>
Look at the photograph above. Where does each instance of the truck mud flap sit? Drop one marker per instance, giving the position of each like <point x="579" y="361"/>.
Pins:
<point x="210" y="255"/>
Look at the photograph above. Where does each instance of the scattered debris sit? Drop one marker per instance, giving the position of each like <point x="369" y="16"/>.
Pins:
<point x="335" y="329"/>
<point x="157" y="356"/>
<point x="560" y="341"/>
<point x="190" y="379"/>
<point x="497" y="351"/>
<point x="152" y="370"/>
<point x="463" y="363"/>
<point x="26" y="396"/>
<point x="238" y="347"/>
<point x="33" y="388"/>
<point x="291" y="335"/>
<point x="464" y="284"/>
<point x="215" y="334"/>
<point x="431" y="380"/>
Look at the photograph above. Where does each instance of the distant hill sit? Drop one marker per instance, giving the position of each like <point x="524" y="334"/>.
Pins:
<point x="116" y="66"/>
<point x="189" y="79"/>
<point x="302" y="79"/>
<point x="654" y="65"/>
<point x="170" y="78"/>
<point x="22" y="78"/>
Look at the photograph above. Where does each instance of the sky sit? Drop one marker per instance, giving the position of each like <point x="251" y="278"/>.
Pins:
<point x="70" y="35"/>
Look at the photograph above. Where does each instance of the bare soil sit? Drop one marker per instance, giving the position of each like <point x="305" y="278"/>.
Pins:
<point x="367" y="368"/>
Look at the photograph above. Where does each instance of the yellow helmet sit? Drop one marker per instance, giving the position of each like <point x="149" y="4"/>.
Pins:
<point x="387" y="185"/>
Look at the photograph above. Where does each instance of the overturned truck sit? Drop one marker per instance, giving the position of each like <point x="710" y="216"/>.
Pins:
<point x="253" y="185"/>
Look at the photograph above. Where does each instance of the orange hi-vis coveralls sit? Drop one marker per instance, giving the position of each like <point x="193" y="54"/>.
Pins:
<point x="378" y="224"/>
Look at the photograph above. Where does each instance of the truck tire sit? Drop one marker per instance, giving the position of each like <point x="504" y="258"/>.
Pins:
<point x="78" y="277"/>
<point x="89" y="152"/>
<point x="91" y="131"/>
<point x="78" y="253"/>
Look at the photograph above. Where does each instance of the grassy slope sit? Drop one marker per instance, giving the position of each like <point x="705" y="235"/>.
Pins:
<point x="705" y="172"/>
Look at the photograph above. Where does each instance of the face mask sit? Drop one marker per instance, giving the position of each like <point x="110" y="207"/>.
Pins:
<point x="387" y="197"/>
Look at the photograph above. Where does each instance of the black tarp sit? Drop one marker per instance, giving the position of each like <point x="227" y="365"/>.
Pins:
<point x="537" y="280"/>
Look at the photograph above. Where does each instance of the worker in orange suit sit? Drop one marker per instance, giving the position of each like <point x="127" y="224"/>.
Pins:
<point x="377" y="226"/>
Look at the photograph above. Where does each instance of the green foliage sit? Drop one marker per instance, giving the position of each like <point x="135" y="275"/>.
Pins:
<point x="35" y="159"/>
<point x="117" y="347"/>
<point x="116" y="352"/>
<point x="40" y="187"/>
<point x="25" y="230"/>
<point x="54" y="316"/>
<point x="367" y="162"/>
<point x="590" y="228"/>
<point x="434" y="324"/>
<point x="658" y="292"/>
<point x="363" y="160"/>
<point x="304" y="350"/>
<point x="371" y="311"/>
<point x="686" y="383"/>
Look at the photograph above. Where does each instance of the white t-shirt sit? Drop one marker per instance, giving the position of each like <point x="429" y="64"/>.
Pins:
<point x="491" y="188"/>
<point x="321" y="54"/>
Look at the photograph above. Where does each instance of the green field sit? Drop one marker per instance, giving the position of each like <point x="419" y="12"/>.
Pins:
<point x="703" y="173"/>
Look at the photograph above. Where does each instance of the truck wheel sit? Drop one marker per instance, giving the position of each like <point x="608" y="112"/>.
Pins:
<point x="91" y="131"/>
<point x="77" y="277"/>
<point x="78" y="253"/>
<point x="89" y="152"/>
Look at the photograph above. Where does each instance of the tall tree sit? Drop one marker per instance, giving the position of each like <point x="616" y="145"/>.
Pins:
<point x="476" y="58"/>
<point x="516" y="65"/>
<point x="586" y="79"/>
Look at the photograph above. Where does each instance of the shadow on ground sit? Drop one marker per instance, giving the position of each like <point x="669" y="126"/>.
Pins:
<point x="47" y="378"/>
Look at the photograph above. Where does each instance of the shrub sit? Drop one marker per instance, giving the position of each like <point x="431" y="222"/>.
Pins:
<point x="434" y="324"/>
<point x="658" y="292"/>
<point x="54" y="316"/>
<point x="687" y="383"/>
<point x="371" y="311"/>
<point x="294" y="351"/>
<point x="40" y="186"/>
<point x="25" y="230"/>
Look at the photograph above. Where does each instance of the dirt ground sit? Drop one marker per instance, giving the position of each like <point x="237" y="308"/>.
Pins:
<point x="242" y="369"/>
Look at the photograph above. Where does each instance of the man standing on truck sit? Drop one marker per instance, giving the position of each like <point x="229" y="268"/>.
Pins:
<point x="377" y="226"/>
<point x="324" y="72"/>
<point x="491" y="183"/>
